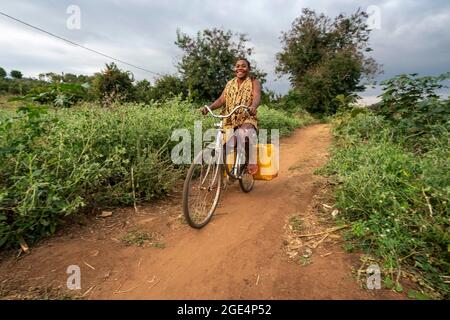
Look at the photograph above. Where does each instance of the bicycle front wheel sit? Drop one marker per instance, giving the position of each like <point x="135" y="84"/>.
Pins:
<point x="202" y="189"/>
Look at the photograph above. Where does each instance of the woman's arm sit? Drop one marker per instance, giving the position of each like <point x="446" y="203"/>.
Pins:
<point x="219" y="102"/>
<point x="216" y="104"/>
<point x="256" y="97"/>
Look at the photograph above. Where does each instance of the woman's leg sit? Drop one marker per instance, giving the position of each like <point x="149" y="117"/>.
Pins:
<point x="246" y="136"/>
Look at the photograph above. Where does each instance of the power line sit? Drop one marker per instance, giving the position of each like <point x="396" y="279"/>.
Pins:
<point x="79" y="45"/>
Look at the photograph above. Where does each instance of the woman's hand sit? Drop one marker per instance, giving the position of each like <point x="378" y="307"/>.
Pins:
<point x="204" y="110"/>
<point x="252" y="110"/>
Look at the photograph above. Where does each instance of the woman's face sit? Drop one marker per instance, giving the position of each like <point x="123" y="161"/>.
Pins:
<point x="241" y="69"/>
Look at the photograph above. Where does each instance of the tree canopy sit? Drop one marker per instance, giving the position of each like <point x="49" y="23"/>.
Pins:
<point x="324" y="58"/>
<point x="16" y="74"/>
<point x="3" y="73"/>
<point x="208" y="60"/>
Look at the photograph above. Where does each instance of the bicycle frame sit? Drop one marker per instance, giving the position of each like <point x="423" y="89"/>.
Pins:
<point x="209" y="176"/>
<point x="218" y="148"/>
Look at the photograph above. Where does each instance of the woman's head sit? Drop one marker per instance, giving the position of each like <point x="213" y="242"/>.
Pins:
<point x="242" y="68"/>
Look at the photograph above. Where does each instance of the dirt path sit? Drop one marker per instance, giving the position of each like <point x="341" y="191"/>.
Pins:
<point x="240" y="254"/>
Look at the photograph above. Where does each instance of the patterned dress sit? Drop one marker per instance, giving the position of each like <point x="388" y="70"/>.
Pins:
<point x="235" y="96"/>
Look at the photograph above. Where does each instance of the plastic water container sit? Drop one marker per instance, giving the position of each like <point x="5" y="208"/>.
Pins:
<point x="268" y="162"/>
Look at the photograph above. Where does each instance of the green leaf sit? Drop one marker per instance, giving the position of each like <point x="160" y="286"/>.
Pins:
<point x="413" y="294"/>
<point x="398" y="288"/>
<point x="388" y="282"/>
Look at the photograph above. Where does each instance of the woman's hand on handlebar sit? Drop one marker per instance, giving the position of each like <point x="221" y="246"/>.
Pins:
<point x="204" y="110"/>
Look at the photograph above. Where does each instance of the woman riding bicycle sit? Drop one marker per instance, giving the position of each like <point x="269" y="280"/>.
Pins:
<point x="244" y="89"/>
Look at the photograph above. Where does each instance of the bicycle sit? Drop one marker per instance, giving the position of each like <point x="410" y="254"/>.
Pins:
<point x="204" y="180"/>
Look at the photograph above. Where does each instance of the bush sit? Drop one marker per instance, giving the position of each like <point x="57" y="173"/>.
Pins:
<point x="413" y="108"/>
<point x="60" y="95"/>
<point x="167" y="87"/>
<point x="270" y="118"/>
<point x="291" y="102"/>
<point x="396" y="200"/>
<point x="3" y="73"/>
<point x="52" y="167"/>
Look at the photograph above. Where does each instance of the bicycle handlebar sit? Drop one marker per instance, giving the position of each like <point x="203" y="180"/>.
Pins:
<point x="226" y="116"/>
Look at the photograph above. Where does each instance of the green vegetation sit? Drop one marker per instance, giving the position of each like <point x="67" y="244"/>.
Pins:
<point x="56" y="164"/>
<point x="113" y="85"/>
<point x="140" y="238"/>
<point x="274" y="118"/>
<point x="52" y="166"/>
<point x="296" y="223"/>
<point x="58" y="94"/>
<point x="16" y="74"/>
<point x="325" y="58"/>
<point x="165" y="87"/>
<point x="63" y="153"/>
<point x="208" y="61"/>
<point x="392" y="169"/>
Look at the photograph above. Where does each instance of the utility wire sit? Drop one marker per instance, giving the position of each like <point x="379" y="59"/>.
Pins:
<point x="79" y="45"/>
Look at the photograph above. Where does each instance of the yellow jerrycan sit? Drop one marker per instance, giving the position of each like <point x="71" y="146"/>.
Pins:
<point x="268" y="162"/>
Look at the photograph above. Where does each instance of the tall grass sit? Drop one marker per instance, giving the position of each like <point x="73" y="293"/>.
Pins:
<point x="395" y="197"/>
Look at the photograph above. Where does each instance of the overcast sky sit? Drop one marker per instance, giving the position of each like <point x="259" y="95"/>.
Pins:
<point x="413" y="36"/>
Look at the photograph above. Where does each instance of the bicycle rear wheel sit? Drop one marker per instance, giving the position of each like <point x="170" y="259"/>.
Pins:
<point x="202" y="189"/>
<point x="246" y="180"/>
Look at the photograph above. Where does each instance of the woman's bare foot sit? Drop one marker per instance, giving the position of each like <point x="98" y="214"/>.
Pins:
<point x="252" y="168"/>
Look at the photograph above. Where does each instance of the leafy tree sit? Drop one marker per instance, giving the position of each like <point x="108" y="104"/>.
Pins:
<point x="324" y="58"/>
<point x="290" y="102"/>
<point x="113" y="84"/>
<point x="414" y="108"/>
<point x="16" y="74"/>
<point x="3" y="73"/>
<point x="168" y="86"/>
<point x="73" y="78"/>
<point x="143" y="91"/>
<point x="165" y="87"/>
<point x="208" y="60"/>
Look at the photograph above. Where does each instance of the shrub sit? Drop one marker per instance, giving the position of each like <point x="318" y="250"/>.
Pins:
<point x="52" y="167"/>
<point x="396" y="200"/>
<point x="275" y="119"/>
<point x="291" y="102"/>
<point x="414" y="109"/>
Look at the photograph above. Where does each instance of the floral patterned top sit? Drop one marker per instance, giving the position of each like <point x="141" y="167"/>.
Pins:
<point x="236" y="95"/>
